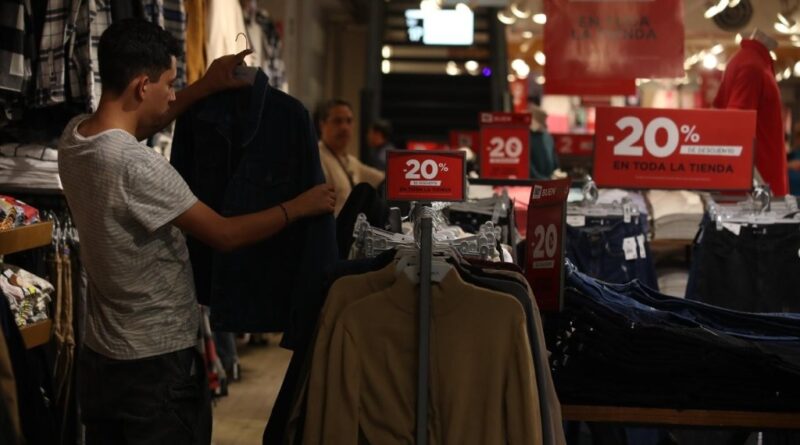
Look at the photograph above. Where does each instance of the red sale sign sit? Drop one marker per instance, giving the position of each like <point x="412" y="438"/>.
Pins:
<point x="601" y="46"/>
<point x="544" y="252"/>
<point x="505" y="145"/>
<point x="643" y="148"/>
<point x="574" y="144"/>
<point x="425" y="175"/>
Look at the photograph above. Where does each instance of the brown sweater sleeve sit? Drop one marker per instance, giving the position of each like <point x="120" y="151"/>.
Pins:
<point x="523" y="413"/>
<point x="341" y="401"/>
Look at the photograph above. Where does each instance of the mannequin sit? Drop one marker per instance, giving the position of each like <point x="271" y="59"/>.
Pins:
<point x="749" y="84"/>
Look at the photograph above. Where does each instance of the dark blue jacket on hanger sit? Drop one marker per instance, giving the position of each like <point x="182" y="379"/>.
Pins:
<point x="247" y="150"/>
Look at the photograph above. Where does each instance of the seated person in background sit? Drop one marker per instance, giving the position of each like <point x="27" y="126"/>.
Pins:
<point x="342" y="170"/>
<point x="378" y="140"/>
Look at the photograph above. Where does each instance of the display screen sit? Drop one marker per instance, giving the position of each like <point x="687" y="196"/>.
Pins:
<point x="441" y="26"/>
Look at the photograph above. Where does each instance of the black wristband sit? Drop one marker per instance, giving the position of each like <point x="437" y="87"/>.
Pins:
<point x="285" y="213"/>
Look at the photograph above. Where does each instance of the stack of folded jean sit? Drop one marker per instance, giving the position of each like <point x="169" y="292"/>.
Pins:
<point x="627" y="345"/>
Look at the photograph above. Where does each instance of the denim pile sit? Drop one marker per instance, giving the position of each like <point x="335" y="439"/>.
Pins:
<point x="611" y="249"/>
<point x="628" y="345"/>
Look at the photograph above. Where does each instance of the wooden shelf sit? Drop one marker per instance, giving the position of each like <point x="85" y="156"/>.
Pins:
<point x="26" y="237"/>
<point x="690" y="417"/>
<point x="37" y="334"/>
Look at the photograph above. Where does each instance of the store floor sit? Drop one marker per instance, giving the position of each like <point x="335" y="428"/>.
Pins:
<point x="239" y="418"/>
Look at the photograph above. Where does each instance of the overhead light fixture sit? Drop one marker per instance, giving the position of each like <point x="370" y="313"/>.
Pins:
<point x="386" y="67"/>
<point x="540" y="80"/>
<point x="525" y="47"/>
<point x="717" y="49"/>
<point x="520" y="11"/>
<point x="797" y="69"/>
<point x="710" y="61"/>
<point x="540" y="19"/>
<point x="738" y="38"/>
<point x="452" y="69"/>
<point x="428" y="5"/>
<point x="715" y="8"/>
<point x="785" y="23"/>
<point x="527" y="35"/>
<point x="505" y="18"/>
<point x="511" y="78"/>
<point x="540" y="58"/>
<point x="463" y="7"/>
<point x="779" y="77"/>
<point x="773" y="55"/>
<point x="386" y="52"/>
<point x="471" y="66"/>
<point x="787" y="73"/>
<point x="733" y="3"/>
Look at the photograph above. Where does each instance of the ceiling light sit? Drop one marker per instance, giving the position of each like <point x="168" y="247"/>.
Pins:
<point x="452" y="69"/>
<point x="527" y="35"/>
<point x="733" y="3"/>
<point x="386" y="67"/>
<point x="716" y="8"/>
<point x="428" y="5"/>
<point x="525" y="47"/>
<point x="773" y="55"/>
<point x="540" y="80"/>
<point x="787" y="73"/>
<point x="520" y="12"/>
<point x="540" y="19"/>
<point x="463" y="7"/>
<point x="738" y="38"/>
<point x="786" y="25"/>
<point x="710" y="61"/>
<point x="540" y="58"/>
<point x="471" y="65"/>
<point x="386" y="51"/>
<point x="523" y="70"/>
<point x="779" y="77"/>
<point x="506" y="18"/>
<point x="797" y="69"/>
<point x="511" y="78"/>
<point x="717" y="49"/>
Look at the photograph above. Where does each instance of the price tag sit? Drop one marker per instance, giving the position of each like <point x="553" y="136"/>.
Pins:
<point x="629" y="247"/>
<point x="576" y="220"/>
<point x="644" y="148"/>
<point x="505" y="145"/>
<point x="544" y="253"/>
<point x="425" y="175"/>
<point x="574" y="144"/>
<point x="642" y="250"/>
<point x="736" y="229"/>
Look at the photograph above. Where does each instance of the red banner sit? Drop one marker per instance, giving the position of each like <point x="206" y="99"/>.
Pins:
<point x="574" y="144"/>
<point x="644" y="148"/>
<point x="425" y="175"/>
<point x="425" y="145"/>
<point x="505" y="145"/>
<point x="544" y="252"/>
<point x="519" y="94"/>
<point x="602" y="45"/>
<point x="464" y="138"/>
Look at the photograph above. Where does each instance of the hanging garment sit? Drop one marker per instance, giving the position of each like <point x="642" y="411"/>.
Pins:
<point x="64" y="336"/>
<point x="58" y="36"/>
<point x="15" y="50"/>
<point x="224" y="23"/>
<point x="477" y="335"/>
<point x="267" y="45"/>
<point x="749" y="84"/>
<point x="93" y="17"/>
<point x="243" y="151"/>
<point x="363" y="199"/>
<point x="195" y="39"/>
<point x="126" y="9"/>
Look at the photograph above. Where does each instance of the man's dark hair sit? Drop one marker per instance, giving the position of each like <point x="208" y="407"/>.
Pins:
<point x="383" y="127"/>
<point x="324" y="109"/>
<point x="132" y="47"/>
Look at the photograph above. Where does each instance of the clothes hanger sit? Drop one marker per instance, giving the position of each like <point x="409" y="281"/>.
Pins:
<point x="243" y="71"/>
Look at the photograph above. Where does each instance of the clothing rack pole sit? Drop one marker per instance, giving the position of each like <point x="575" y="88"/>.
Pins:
<point x="425" y="258"/>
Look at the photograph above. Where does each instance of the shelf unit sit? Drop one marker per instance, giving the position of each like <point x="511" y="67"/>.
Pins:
<point x="18" y="240"/>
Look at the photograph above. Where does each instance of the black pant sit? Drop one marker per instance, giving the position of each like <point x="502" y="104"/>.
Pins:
<point x="156" y="400"/>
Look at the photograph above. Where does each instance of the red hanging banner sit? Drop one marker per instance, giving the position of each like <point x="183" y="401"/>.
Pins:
<point x="642" y="148"/>
<point x="603" y="45"/>
<point x="544" y="252"/>
<point x="505" y="145"/>
<point x="425" y="175"/>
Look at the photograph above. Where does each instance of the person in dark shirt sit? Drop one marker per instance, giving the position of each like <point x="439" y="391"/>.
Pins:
<point x="378" y="137"/>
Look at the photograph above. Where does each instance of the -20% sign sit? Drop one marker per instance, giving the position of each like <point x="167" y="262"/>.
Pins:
<point x="424" y="173"/>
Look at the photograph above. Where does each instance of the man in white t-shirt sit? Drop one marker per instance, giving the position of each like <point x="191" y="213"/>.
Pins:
<point x="141" y="379"/>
